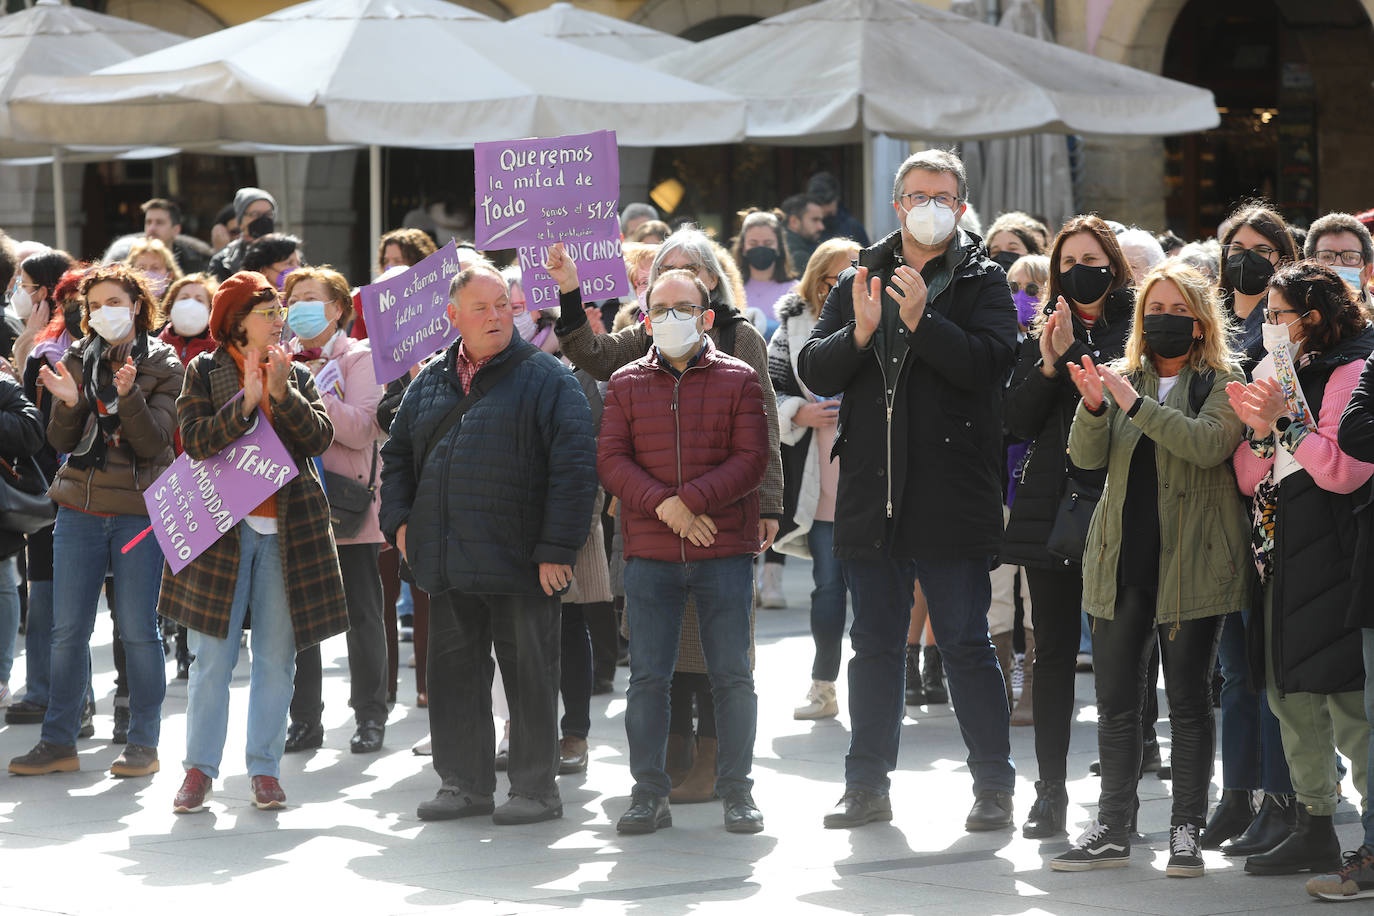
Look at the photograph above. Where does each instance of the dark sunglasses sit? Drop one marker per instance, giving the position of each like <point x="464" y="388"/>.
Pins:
<point x="1032" y="289"/>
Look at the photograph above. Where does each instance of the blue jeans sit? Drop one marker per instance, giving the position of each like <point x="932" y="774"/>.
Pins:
<point x="262" y="585"/>
<point x="828" y="602"/>
<point x="1251" y="744"/>
<point x="959" y="593"/>
<point x="656" y="599"/>
<point x="1368" y="818"/>
<point x="84" y="547"/>
<point x="9" y="616"/>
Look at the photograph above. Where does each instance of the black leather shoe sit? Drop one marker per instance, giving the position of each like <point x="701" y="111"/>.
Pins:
<point x="991" y="811"/>
<point x="741" y="814"/>
<point x="1229" y="818"/>
<point x="1050" y="812"/>
<point x="933" y="676"/>
<point x="915" y="693"/>
<point x="304" y="737"/>
<point x="1313" y="846"/>
<point x="859" y="807"/>
<point x="647" y="813"/>
<point x="1278" y="815"/>
<point x="368" y="738"/>
<point x="25" y="712"/>
<point x="452" y="802"/>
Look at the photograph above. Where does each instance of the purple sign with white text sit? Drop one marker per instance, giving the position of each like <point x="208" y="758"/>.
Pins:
<point x="533" y="193"/>
<point x="195" y="502"/>
<point x="407" y="315"/>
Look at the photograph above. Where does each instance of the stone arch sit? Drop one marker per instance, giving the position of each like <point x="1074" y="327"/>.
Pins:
<point x="677" y="16"/>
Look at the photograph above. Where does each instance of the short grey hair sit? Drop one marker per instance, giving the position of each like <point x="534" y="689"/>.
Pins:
<point x="470" y="272"/>
<point x="1202" y="257"/>
<point x="1137" y="242"/>
<point x="932" y="160"/>
<point x="1332" y="223"/>
<point x="699" y="250"/>
<point x="637" y="211"/>
<point x="687" y="275"/>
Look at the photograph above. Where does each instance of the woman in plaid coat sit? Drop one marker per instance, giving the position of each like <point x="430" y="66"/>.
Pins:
<point x="280" y="560"/>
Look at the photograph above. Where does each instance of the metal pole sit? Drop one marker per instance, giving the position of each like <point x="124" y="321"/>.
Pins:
<point x="59" y="199"/>
<point x="374" y="169"/>
<point x="284" y="204"/>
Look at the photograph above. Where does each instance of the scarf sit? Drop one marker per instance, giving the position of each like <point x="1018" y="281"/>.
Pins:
<point x="1265" y="507"/>
<point x="268" y="507"/>
<point x="99" y="363"/>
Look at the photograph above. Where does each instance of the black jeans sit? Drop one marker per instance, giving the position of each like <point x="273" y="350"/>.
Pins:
<point x="689" y="695"/>
<point x="1121" y="660"/>
<point x="1057" y="597"/>
<point x="576" y="682"/>
<point x="367" y="660"/>
<point x="525" y="631"/>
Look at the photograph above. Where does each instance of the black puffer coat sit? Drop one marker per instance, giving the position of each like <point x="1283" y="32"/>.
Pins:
<point x="509" y="487"/>
<point x="21" y="436"/>
<point x="1356" y="439"/>
<point x="1041" y="410"/>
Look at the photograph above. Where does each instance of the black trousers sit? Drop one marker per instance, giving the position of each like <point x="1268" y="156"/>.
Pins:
<point x="1057" y="597"/>
<point x="1121" y="660"/>
<point x="576" y="682"/>
<point x="526" y="631"/>
<point x="367" y="659"/>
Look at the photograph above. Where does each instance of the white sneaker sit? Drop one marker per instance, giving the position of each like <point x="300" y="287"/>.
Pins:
<point x="820" y="702"/>
<point x="770" y="591"/>
<point x="424" y="748"/>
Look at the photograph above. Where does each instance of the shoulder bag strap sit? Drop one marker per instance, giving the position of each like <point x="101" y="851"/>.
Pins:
<point x="475" y="393"/>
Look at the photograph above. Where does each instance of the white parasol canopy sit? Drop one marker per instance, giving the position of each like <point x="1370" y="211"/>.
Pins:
<point x="603" y="34"/>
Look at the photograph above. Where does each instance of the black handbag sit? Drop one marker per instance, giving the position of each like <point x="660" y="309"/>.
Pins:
<point x="24" y="504"/>
<point x="1074" y="514"/>
<point x="349" y="501"/>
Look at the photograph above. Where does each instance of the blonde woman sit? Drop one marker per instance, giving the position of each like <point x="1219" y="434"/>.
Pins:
<point x="807" y="427"/>
<point x="153" y="259"/>
<point x="1167" y="550"/>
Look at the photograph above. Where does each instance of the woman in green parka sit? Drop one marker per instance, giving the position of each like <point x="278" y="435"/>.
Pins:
<point x="1167" y="550"/>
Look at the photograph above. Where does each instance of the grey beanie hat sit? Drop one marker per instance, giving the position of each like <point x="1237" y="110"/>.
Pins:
<point x="245" y="197"/>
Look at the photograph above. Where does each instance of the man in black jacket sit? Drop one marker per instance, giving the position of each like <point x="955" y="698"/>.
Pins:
<point x="918" y="340"/>
<point x="489" y="509"/>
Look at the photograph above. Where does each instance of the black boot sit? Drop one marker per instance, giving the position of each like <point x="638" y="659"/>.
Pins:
<point x="1050" y="811"/>
<point x="1278" y="815"/>
<point x="915" y="693"/>
<point x="933" y="677"/>
<point x="1229" y="818"/>
<point x="1313" y="846"/>
<point x="121" y="725"/>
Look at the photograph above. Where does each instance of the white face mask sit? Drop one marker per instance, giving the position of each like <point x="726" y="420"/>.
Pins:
<point x="112" y="322"/>
<point x="930" y="224"/>
<point x="675" y="337"/>
<point x="22" y="303"/>
<point x="1276" y="336"/>
<point x="524" y="325"/>
<point x="190" y="317"/>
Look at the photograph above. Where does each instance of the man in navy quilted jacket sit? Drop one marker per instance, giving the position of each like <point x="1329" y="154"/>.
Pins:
<point x="684" y="446"/>
<point x="488" y="483"/>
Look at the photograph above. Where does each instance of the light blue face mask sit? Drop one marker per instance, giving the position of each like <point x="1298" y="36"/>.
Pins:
<point x="307" y="319"/>
<point x="1351" y="276"/>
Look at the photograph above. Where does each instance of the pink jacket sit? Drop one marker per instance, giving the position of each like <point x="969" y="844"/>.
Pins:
<point x="1331" y="469"/>
<point x="355" y="427"/>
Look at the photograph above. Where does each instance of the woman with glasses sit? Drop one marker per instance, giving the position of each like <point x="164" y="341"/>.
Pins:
<point x="810" y="476"/>
<point x="1306" y="491"/>
<point x="1256" y="243"/>
<point x="1085" y="311"/>
<point x="280" y="558"/>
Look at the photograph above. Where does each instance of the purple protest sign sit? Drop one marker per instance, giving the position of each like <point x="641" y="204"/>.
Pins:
<point x="532" y="193"/>
<point x="194" y="502"/>
<point x="407" y="315"/>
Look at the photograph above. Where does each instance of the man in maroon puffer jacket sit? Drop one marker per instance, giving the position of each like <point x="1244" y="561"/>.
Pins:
<point x="684" y="446"/>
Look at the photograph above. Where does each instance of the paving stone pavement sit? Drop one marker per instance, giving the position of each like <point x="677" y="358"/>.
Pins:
<point x="350" y="841"/>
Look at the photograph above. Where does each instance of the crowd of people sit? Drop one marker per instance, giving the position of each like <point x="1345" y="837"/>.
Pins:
<point x="979" y="440"/>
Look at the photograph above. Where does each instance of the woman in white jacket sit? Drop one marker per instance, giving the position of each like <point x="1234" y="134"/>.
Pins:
<point x="806" y="426"/>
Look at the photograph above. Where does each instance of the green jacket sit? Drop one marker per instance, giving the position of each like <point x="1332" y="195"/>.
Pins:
<point x="1205" y="564"/>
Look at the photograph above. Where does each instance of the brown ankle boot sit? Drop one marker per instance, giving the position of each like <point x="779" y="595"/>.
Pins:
<point x="1002" y="643"/>
<point x="1024" y="713"/>
<point x="700" y="784"/>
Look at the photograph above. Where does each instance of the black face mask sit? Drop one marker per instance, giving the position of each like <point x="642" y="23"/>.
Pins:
<point x="1248" y="272"/>
<point x="1084" y="284"/>
<point x="72" y="319"/>
<point x="761" y="257"/>
<point x="1169" y="336"/>
<point x="261" y="226"/>
<point x="1005" y="259"/>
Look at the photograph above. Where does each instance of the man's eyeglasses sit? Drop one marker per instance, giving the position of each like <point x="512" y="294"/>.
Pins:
<point x="1032" y="289"/>
<point x="1263" y="251"/>
<point x="271" y="311"/>
<point x="948" y="201"/>
<point x="1347" y="258"/>
<point x="681" y="313"/>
